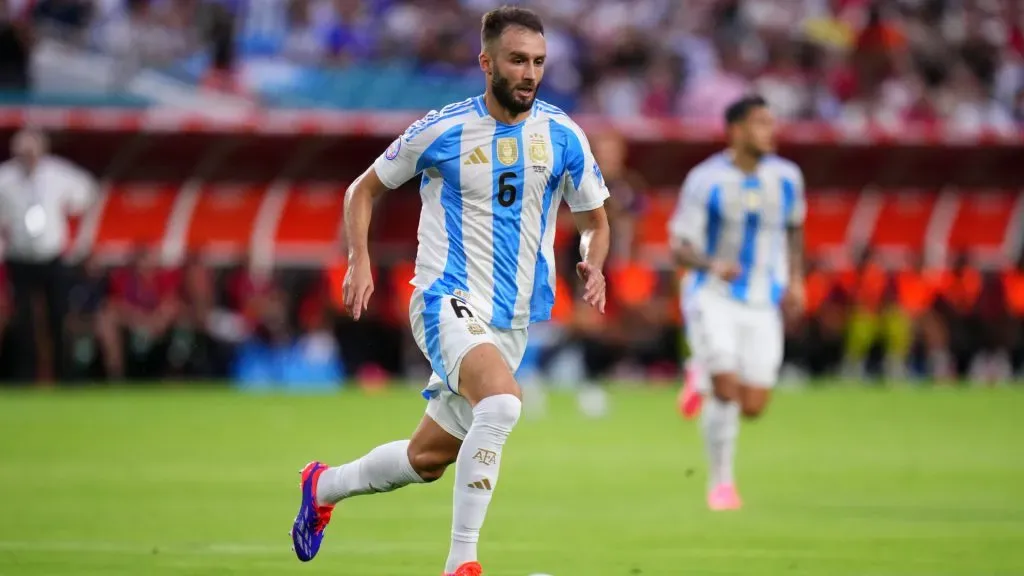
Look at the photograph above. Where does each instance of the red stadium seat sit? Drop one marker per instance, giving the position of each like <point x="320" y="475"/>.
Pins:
<point x="983" y="220"/>
<point x="310" y="222"/>
<point x="829" y="213"/>
<point x="903" y="220"/>
<point x="223" y="219"/>
<point x="134" y="214"/>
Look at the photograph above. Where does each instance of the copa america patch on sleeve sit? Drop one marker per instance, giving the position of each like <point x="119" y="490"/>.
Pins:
<point x="392" y="152"/>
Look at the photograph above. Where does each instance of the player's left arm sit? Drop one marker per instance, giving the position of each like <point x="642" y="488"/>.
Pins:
<point x="585" y="192"/>
<point x="595" y="239"/>
<point x="795" y="241"/>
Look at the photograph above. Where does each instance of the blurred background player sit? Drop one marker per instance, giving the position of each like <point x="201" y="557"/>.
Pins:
<point x="738" y="230"/>
<point x="495" y="169"/>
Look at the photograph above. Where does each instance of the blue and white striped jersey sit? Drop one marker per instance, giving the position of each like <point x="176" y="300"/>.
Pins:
<point x="725" y="213"/>
<point x="490" y="195"/>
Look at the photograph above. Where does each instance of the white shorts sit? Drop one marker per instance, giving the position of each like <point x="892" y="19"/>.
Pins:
<point x="728" y="336"/>
<point x="445" y="329"/>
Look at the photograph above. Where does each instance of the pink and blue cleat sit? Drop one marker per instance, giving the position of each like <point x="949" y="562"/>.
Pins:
<point x="690" y="399"/>
<point x="467" y="569"/>
<point x="724" y="497"/>
<point x="308" y="531"/>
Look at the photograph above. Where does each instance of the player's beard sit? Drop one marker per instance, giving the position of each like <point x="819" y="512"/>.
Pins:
<point x="504" y="93"/>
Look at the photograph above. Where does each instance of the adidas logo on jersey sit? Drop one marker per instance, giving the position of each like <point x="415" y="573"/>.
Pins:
<point x="477" y="156"/>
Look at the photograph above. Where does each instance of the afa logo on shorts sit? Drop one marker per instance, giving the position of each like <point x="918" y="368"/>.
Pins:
<point x="392" y="152"/>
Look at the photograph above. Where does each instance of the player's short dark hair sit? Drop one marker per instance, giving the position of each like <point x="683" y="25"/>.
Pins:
<point x="740" y="109"/>
<point x="498" y="20"/>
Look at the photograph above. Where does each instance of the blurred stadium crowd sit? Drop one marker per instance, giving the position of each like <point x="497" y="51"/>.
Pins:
<point x="846" y="62"/>
<point x="850" y="61"/>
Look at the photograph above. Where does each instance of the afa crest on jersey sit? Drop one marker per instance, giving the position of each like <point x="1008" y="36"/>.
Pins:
<point x="508" y="151"/>
<point x="538" y="149"/>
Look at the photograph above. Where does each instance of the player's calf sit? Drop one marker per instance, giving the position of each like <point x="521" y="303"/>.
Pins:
<point x="432" y="450"/>
<point x="753" y="401"/>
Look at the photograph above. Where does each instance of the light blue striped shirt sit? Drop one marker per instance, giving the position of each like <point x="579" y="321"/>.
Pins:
<point x="727" y="214"/>
<point x="490" y="195"/>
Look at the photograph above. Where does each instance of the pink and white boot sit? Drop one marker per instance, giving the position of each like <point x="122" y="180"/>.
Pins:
<point x="690" y="398"/>
<point x="724" y="497"/>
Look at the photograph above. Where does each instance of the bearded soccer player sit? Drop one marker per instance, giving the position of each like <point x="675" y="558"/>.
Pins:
<point x="494" y="171"/>
<point x="738" y="231"/>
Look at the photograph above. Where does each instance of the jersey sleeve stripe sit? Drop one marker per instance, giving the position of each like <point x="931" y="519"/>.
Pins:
<point x="479" y="106"/>
<point x="788" y="199"/>
<point x="573" y="152"/>
<point x="444" y="146"/>
<point x="434" y="118"/>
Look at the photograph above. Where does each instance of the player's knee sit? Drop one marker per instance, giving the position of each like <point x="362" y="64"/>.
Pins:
<point x="752" y="411"/>
<point x="725" y="387"/>
<point x="500" y="412"/>
<point x="430" y="464"/>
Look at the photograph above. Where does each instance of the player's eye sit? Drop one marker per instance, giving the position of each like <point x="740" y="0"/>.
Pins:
<point x="539" y="62"/>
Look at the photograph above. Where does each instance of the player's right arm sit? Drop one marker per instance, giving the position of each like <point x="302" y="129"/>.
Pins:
<point x="358" y="285"/>
<point x="407" y="156"/>
<point x="688" y="229"/>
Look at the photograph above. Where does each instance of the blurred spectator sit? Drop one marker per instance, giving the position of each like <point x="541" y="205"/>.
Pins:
<point x="144" y="305"/>
<point x="5" y="307"/>
<point x="37" y="194"/>
<point x="626" y="188"/>
<point x="957" y="306"/>
<point x="255" y="296"/>
<point x="991" y="362"/>
<point x="87" y="297"/>
<point x="67" y="18"/>
<point x="189" y="351"/>
<point x="815" y="342"/>
<point x="1013" y="281"/>
<point x="707" y="98"/>
<point x="16" y="39"/>
<point x="878" y="326"/>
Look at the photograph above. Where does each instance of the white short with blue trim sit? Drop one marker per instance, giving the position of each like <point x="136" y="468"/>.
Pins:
<point x="445" y="329"/>
<point x="729" y="336"/>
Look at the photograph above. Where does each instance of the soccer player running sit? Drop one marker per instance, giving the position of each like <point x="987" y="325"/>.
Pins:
<point x="738" y="230"/>
<point x="494" y="171"/>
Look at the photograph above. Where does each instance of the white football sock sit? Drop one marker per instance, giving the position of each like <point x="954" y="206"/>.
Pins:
<point x="476" y="473"/>
<point x="384" y="469"/>
<point x="720" y="422"/>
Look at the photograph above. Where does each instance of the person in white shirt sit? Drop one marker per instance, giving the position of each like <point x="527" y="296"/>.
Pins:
<point x="38" y="193"/>
<point x="738" y="231"/>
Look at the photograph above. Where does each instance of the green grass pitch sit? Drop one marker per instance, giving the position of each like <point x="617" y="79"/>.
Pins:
<point x="837" y="482"/>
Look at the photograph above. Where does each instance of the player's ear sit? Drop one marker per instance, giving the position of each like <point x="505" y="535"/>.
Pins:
<point x="485" y="61"/>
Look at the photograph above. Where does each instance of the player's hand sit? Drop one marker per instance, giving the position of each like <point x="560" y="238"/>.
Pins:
<point x="794" y="300"/>
<point x="593" y="288"/>
<point x="358" y="286"/>
<point x="725" y="270"/>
